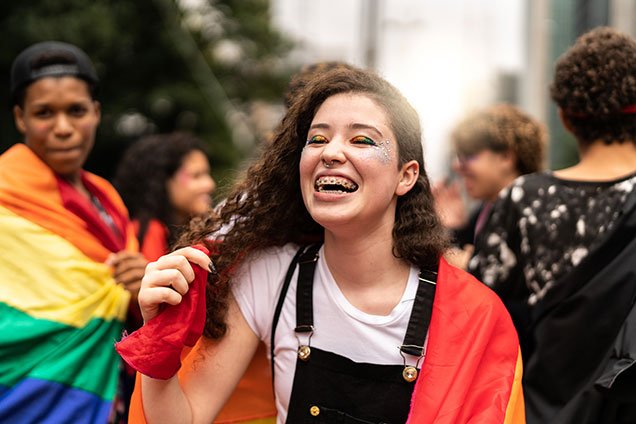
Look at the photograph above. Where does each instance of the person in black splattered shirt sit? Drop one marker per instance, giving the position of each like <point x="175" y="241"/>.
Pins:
<point x="560" y="249"/>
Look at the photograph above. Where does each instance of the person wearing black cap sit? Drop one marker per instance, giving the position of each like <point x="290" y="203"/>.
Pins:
<point x="69" y="259"/>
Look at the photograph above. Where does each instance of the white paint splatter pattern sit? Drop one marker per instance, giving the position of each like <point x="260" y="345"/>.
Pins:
<point x="542" y="227"/>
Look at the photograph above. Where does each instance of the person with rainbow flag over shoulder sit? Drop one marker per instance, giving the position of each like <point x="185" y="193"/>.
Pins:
<point x="69" y="259"/>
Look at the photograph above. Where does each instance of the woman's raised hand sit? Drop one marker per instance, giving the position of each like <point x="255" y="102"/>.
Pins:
<point x="167" y="279"/>
<point x="449" y="204"/>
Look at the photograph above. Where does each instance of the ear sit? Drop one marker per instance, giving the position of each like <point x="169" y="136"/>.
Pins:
<point x="510" y="159"/>
<point x="98" y="111"/>
<point x="409" y="173"/>
<point x="18" y="117"/>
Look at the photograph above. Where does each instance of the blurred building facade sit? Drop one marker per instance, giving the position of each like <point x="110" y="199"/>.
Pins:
<point x="449" y="58"/>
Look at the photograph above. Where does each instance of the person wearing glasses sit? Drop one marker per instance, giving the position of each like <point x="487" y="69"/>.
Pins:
<point x="493" y="146"/>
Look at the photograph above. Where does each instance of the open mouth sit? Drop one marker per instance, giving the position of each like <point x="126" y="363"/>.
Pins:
<point x="335" y="185"/>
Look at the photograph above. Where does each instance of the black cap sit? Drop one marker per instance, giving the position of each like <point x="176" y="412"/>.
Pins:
<point x="51" y="58"/>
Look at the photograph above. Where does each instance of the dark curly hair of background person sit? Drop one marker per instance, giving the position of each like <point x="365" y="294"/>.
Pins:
<point x="594" y="81"/>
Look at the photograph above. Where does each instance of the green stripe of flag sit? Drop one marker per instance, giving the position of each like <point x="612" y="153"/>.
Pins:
<point x="84" y="358"/>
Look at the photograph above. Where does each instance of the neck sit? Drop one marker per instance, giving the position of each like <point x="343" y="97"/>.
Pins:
<point x="600" y="161"/>
<point x="367" y="273"/>
<point x="178" y="219"/>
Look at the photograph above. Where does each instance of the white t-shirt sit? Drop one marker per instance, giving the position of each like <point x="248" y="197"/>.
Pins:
<point x="339" y="327"/>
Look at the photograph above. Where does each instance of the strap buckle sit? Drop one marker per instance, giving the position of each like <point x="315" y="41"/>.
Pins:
<point x="410" y="373"/>
<point x="304" y="329"/>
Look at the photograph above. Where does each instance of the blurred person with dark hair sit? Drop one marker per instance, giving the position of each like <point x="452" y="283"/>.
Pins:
<point x="493" y="147"/>
<point x="69" y="262"/>
<point x="563" y="243"/>
<point x="164" y="180"/>
<point x="335" y="263"/>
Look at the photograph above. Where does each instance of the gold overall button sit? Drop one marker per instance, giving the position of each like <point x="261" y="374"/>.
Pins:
<point x="314" y="410"/>
<point x="409" y="374"/>
<point x="304" y="352"/>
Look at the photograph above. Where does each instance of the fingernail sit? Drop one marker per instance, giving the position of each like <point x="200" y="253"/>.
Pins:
<point x="212" y="268"/>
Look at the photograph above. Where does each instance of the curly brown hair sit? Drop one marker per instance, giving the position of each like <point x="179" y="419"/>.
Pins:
<point x="502" y="128"/>
<point x="594" y="82"/>
<point x="301" y="78"/>
<point x="266" y="208"/>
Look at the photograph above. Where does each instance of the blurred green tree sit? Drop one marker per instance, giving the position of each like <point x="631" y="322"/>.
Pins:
<point x="164" y="65"/>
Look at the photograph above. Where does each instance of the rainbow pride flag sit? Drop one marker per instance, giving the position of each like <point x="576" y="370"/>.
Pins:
<point x="60" y="309"/>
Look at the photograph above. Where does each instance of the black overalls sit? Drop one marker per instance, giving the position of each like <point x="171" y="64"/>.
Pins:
<point x="329" y="388"/>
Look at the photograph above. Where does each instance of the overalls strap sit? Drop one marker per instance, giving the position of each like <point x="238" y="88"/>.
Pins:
<point x="309" y="252"/>
<point x="420" y="314"/>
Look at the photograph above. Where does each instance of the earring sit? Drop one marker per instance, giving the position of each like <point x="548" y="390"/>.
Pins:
<point x="327" y="164"/>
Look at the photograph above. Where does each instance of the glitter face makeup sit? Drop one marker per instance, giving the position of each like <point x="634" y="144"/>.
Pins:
<point x="349" y="171"/>
<point x="382" y="150"/>
<point x="317" y="139"/>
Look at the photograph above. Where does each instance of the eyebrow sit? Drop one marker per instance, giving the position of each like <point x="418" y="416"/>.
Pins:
<point x="354" y="126"/>
<point x="48" y="103"/>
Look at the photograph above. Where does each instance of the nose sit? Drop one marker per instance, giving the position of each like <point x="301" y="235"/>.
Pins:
<point x="211" y="184"/>
<point x="63" y="126"/>
<point x="334" y="152"/>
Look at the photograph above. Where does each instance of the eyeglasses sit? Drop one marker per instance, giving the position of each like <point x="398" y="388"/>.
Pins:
<point x="464" y="160"/>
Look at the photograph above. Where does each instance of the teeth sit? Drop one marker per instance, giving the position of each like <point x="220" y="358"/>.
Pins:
<point x="337" y="184"/>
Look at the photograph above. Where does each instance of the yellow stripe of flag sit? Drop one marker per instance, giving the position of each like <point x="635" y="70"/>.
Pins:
<point x="515" y="412"/>
<point x="47" y="277"/>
